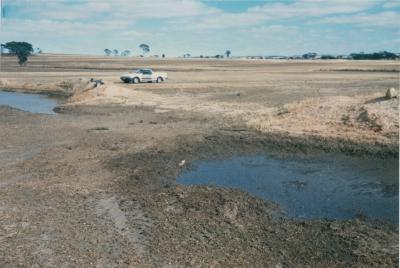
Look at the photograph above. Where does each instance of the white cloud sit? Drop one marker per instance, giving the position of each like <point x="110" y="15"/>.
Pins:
<point x="195" y="12"/>
<point x="117" y="9"/>
<point x="273" y="29"/>
<point x="312" y="8"/>
<point x="59" y="28"/>
<point x="301" y="9"/>
<point x="383" y="19"/>
<point x="123" y="22"/>
<point x="391" y="4"/>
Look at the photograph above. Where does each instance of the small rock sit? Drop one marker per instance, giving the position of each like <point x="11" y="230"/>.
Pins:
<point x="391" y="93"/>
<point x="334" y="226"/>
<point x="230" y="211"/>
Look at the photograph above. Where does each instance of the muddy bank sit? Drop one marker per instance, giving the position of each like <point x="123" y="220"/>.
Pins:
<point x="61" y="89"/>
<point x="100" y="186"/>
<point x="237" y="228"/>
<point x="219" y="144"/>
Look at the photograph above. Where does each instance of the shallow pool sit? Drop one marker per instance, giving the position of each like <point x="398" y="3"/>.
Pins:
<point x="309" y="186"/>
<point x="33" y="103"/>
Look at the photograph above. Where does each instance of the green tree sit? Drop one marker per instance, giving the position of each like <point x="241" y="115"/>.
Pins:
<point x="22" y="49"/>
<point x="115" y="52"/>
<point x="228" y="53"/>
<point x="125" y="53"/>
<point x="145" y="48"/>
<point x="107" y="51"/>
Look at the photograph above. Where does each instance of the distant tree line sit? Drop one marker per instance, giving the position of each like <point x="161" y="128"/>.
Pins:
<point x="383" y="55"/>
<point x="218" y="56"/>
<point x="24" y="49"/>
<point x="115" y="52"/>
<point x="144" y="47"/>
<point x="328" y="57"/>
<point x="309" y="55"/>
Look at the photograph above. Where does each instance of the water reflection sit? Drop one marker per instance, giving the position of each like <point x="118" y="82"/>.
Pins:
<point x="33" y="103"/>
<point x="309" y="186"/>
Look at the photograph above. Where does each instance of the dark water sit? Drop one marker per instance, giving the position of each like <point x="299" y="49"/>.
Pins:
<point x="33" y="103"/>
<point x="310" y="186"/>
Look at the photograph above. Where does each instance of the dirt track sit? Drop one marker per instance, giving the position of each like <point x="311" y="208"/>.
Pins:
<point x="95" y="185"/>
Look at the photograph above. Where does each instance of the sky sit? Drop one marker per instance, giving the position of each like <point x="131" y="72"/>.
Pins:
<point x="204" y="27"/>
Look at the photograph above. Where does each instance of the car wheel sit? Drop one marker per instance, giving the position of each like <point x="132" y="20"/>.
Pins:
<point x="159" y="80"/>
<point x="136" y="80"/>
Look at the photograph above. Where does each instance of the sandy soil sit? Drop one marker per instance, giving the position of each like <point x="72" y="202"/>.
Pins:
<point x="95" y="185"/>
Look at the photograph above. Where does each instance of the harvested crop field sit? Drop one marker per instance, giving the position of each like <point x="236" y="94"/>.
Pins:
<point x="95" y="185"/>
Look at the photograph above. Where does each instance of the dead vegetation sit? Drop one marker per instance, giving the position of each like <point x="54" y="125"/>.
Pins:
<point x="366" y="118"/>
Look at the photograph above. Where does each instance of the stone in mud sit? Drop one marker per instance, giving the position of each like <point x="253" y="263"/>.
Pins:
<point x="230" y="211"/>
<point x="391" y="93"/>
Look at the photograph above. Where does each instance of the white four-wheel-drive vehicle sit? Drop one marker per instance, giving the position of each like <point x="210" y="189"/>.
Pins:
<point x="144" y="75"/>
